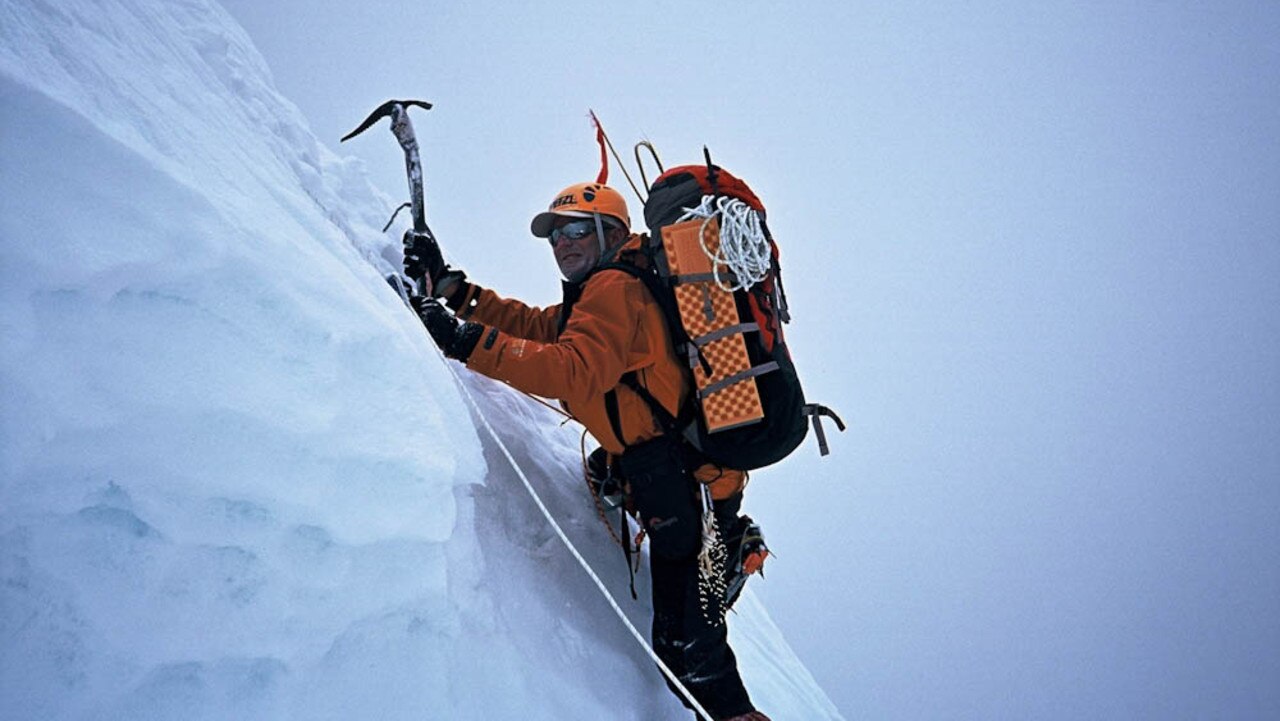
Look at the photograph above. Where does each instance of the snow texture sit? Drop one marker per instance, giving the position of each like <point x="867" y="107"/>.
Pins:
<point x="238" y="481"/>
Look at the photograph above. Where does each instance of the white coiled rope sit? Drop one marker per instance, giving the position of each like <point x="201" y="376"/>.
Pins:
<point x="744" y="247"/>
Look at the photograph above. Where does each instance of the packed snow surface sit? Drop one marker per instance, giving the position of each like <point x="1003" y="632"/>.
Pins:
<point x="238" y="481"/>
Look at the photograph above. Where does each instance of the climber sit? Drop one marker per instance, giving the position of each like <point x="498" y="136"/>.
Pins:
<point x="608" y="329"/>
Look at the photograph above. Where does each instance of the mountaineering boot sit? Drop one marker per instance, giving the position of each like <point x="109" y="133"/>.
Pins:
<point x="746" y="555"/>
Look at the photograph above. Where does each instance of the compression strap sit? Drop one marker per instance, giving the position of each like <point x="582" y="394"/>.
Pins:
<point x="738" y="378"/>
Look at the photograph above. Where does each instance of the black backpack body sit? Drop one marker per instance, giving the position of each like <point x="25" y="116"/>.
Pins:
<point x="753" y="318"/>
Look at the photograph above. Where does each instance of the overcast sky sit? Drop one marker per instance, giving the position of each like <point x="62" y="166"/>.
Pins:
<point x="1033" y="253"/>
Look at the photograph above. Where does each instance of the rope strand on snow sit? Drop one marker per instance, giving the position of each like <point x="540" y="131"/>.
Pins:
<point x="567" y="416"/>
<point x="537" y="500"/>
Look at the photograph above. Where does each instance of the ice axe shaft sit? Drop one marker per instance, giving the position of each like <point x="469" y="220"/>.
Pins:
<point x="402" y="128"/>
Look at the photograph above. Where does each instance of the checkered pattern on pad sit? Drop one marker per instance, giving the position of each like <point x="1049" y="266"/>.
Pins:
<point x="705" y="307"/>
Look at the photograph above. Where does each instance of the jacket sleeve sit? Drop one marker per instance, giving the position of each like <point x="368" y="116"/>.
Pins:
<point x="588" y="359"/>
<point x="479" y="304"/>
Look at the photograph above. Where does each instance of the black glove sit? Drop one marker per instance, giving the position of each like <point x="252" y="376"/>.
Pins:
<point x="604" y="483"/>
<point x="456" y="339"/>
<point x="423" y="261"/>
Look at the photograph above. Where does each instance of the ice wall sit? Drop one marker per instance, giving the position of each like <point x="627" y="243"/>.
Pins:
<point x="238" y="482"/>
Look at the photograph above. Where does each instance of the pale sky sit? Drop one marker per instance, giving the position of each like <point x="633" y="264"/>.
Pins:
<point x="1032" y="251"/>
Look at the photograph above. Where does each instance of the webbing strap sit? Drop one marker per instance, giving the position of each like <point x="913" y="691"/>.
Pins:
<point x="725" y="332"/>
<point x="687" y="278"/>
<point x="615" y="417"/>
<point x="815" y="411"/>
<point x="625" y="533"/>
<point x="737" y="378"/>
<point x="670" y="424"/>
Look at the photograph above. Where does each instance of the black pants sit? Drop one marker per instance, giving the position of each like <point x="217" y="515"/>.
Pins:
<point x="693" y="646"/>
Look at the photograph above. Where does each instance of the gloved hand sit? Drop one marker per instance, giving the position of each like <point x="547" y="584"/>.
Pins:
<point x="603" y="482"/>
<point x="423" y="261"/>
<point x="455" y="339"/>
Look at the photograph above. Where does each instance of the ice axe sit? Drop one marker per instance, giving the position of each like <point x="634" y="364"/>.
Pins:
<point x="403" y="130"/>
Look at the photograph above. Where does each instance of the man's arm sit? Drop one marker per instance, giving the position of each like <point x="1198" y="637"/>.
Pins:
<point x="590" y="355"/>
<point x="481" y="305"/>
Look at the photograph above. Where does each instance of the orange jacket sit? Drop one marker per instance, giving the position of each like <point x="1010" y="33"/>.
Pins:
<point x="615" y="326"/>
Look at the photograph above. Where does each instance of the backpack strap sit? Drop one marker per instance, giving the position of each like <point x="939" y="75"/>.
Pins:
<point x="570" y="293"/>
<point x="625" y="535"/>
<point x="667" y="304"/>
<point x="615" y="418"/>
<point x="751" y="372"/>
<point x="672" y="425"/>
<point x="815" y="411"/>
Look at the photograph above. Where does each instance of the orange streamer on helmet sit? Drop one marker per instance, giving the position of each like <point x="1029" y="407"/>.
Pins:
<point x="603" y="177"/>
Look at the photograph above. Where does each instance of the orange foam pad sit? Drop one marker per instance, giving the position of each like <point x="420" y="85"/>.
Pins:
<point x="705" y="307"/>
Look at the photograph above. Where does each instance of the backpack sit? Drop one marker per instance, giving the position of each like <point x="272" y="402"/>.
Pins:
<point x="746" y="409"/>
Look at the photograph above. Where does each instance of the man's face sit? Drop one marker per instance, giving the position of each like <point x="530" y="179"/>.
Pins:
<point x="576" y="247"/>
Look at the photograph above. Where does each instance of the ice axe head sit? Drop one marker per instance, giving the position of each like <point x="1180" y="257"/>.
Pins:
<point x="388" y="108"/>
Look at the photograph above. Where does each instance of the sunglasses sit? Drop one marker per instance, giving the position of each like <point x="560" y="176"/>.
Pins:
<point x="577" y="230"/>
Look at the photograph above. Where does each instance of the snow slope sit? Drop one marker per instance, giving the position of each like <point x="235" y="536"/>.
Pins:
<point x="238" y="482"/>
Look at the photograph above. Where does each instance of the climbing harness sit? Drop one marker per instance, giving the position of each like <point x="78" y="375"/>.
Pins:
<point x="597" y="497"/>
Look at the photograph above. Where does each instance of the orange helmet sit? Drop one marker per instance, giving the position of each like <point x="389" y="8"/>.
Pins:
<point x="583" y="200"/>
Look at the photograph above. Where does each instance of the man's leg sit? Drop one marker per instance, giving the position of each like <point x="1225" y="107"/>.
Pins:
<point x="694" y="647"/>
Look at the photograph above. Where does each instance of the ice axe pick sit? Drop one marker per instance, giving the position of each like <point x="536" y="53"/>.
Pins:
<point x="402" y="128"/>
